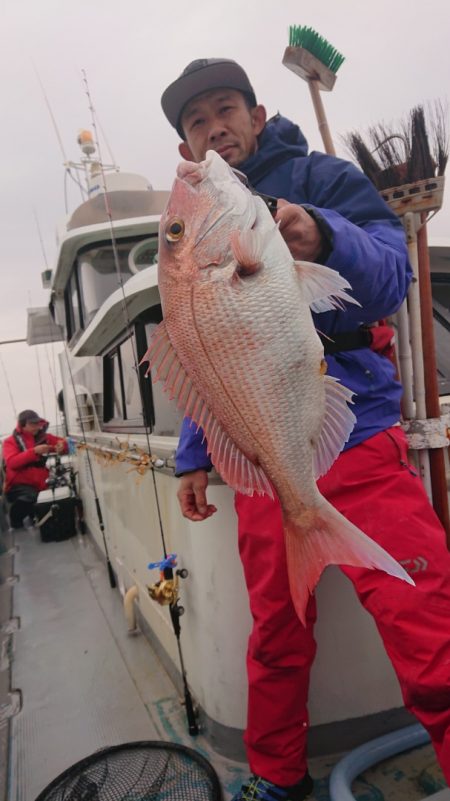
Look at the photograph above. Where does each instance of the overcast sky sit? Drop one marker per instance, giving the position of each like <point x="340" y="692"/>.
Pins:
<point x="397" y="56"/>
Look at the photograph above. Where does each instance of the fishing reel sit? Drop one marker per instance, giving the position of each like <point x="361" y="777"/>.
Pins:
<point x="165" y="591"/>
<point x="60" y="475"/>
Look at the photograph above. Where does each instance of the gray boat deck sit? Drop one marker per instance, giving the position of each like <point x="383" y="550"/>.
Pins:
<point x="86" y="684"/>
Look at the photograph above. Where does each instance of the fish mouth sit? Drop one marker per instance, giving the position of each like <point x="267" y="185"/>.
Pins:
<point x="191" y="172"/>
<point x="231" y="199"/>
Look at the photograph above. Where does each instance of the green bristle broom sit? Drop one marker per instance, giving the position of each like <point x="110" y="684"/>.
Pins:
<point x="315" y="60"/>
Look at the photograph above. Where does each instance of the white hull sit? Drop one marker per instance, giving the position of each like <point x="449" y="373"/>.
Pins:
<point x="352" y="676"/>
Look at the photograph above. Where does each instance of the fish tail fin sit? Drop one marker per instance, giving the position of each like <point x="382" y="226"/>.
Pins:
<point x="321" y="536"/>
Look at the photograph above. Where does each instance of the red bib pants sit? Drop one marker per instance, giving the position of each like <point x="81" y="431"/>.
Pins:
<point x="373" y="486"/>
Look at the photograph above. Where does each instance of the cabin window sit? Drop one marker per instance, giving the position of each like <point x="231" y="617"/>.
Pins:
<point x="100" y="276"/>
<point x="122" y="401"/>
<point x="74" y="315"/>
<point x="127" y="397"/>
<point x="131" y="401"/>
<point x="167" y="417"/>
<point x="144" y="254"/>
<point x="440" y="287"/>
<point x="97" y="274"/>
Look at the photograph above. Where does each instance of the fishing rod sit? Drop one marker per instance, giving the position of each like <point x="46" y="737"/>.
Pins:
<point x="175" y="609"/>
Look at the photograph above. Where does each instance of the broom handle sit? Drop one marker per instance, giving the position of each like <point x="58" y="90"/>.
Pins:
<point x="437" y="457"/>
<point x="321" y="118"/>
<point x="411" y="223"/>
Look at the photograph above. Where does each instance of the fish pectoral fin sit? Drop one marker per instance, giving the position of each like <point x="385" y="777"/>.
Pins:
<point x="235" y="468"/>
<point x="337" y="425"/>
<point x="322" y="287"/>
<point x="247" y="248"/>
<point x="321" y="536"/>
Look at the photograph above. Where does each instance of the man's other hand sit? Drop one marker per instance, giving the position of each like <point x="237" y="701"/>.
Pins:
<point x="192" y="496"/>
<point x="299" y="230"/>
<point x="41" y="449"/>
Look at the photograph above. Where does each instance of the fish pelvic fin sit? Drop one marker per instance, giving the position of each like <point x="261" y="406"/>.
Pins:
<point x="236" y="469"/>
<point x="322" y="287"/>
<point x="321" y="536"/>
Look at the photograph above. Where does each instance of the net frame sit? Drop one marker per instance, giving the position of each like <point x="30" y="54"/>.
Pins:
<point x="74" y="785"/>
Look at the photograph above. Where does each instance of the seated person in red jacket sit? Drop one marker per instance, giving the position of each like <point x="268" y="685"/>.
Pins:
<point x="24" y="456"/>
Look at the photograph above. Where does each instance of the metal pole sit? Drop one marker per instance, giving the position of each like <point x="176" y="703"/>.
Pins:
<point x="437" y="457"/>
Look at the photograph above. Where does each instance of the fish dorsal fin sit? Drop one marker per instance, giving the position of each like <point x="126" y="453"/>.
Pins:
<point x="322" y="287"/>
<point x="234" y="467"/>
<point x="337" y="425"/>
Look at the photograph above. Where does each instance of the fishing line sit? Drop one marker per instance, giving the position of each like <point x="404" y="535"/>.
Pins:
<point x="168" y="573"/>
<point x="67" y="172"/>
<point x="52" y="117"/>
<point x="8" y="385"/>
<point x="66" y="162"/>
<point x="111" y="155"/>
<point x="38" y="365"/>
<point x="49" y="326"/>
<point x="126" y="317"/>
<point x="38" y="362"/>
<point x="112" y="578"/>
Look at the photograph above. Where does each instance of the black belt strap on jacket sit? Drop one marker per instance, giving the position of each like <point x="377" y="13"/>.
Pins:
<point x="346" y="340"/>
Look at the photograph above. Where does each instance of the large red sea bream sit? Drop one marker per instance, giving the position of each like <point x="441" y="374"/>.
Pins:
<point x="238" y="350"/>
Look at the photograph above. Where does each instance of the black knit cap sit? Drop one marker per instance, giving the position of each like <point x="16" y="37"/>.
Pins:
<point x="200" y="76"/>
<point x="28" y="416"/>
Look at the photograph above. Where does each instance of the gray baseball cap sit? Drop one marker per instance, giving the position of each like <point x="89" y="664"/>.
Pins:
<point x="200" y="76"/>
<point x="29" y="416"/>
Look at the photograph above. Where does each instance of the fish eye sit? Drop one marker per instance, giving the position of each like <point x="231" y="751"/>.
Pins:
<point x="174" y="230"/>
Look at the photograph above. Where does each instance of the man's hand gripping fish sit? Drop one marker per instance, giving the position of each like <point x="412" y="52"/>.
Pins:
<point x="238" y="351"/>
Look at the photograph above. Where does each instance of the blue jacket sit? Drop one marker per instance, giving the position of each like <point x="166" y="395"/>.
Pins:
<point x="367" y="246"/>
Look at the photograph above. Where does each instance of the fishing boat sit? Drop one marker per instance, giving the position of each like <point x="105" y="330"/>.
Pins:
<point x="136" y="628"/>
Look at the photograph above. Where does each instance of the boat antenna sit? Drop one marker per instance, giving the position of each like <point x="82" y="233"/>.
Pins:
<point x="175" y="613"/>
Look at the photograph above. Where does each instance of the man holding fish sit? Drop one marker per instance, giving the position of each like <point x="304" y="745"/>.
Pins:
<point x="305" y="426"/>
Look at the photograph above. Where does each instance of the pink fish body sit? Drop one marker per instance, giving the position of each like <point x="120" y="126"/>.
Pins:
<point x="238" y="350"/>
